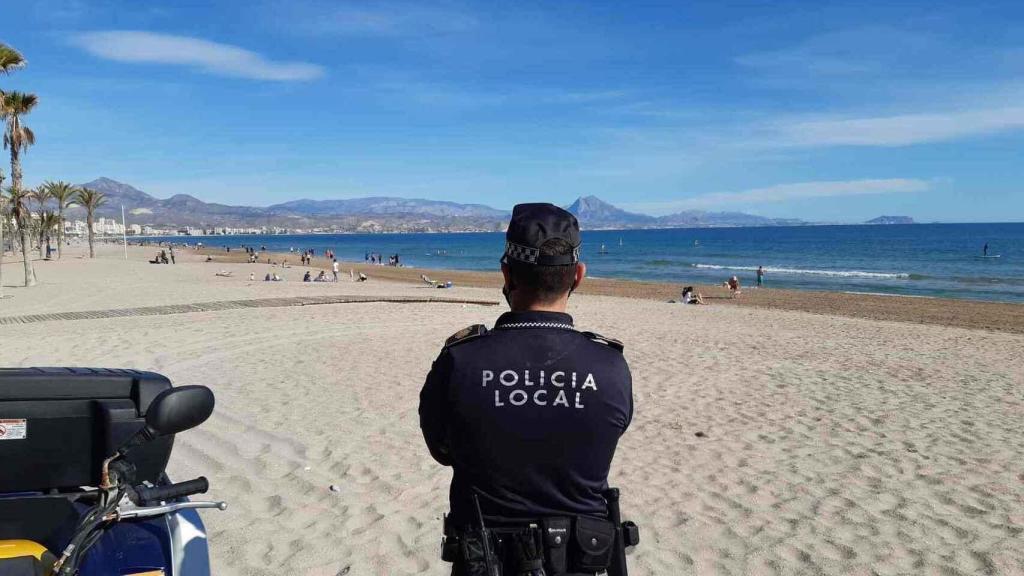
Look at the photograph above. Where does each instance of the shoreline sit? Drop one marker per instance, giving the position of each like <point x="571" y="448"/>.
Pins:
<point x="972" y="314"/>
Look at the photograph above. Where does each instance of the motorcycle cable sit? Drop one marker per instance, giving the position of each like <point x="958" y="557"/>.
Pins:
<point x="87" y="533"/>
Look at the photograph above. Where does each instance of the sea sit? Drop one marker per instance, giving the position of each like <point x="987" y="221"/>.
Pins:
<point x="937" y="260"/>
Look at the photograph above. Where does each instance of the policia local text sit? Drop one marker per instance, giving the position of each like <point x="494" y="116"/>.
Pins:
<point x="568" y="393"/>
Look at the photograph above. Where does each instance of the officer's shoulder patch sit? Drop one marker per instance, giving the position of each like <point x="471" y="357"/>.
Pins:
<point x="610" y="342"/>
<point x="466" y="334"/>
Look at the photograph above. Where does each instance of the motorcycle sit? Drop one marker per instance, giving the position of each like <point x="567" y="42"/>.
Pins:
<point x="83" y="487"/>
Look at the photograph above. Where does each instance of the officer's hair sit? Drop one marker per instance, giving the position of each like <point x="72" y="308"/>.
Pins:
<point x="544" y="283"/>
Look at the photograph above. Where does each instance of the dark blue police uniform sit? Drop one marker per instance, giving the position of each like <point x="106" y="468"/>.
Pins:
<point x="528" y="415"/>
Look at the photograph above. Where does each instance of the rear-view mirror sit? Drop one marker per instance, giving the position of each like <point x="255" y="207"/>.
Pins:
<point x="178" y="409"/>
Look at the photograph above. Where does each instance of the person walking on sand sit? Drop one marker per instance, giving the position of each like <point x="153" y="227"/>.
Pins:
<point x="760" y="276"/>
<point x="334" y="267"/>
<point x="172" y="254"/>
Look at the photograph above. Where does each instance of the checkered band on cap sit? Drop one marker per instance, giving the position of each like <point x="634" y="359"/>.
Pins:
<point x="522" y="253"/>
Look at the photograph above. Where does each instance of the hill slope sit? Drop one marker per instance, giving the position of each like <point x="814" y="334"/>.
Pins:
<point x="378" y="213"/>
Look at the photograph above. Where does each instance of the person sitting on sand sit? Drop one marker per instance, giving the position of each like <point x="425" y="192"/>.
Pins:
<point x="734" y="286"/>
<point x="428" y="280"/>
<point x="252" y="277"/>
<point x="276" y="278"/>
<point x="267" y="277"/>
<point x="307" y="277"/>
<point x="690" y="298"/>
<point x="362" y="277"/>
<point x="321" y="277"/>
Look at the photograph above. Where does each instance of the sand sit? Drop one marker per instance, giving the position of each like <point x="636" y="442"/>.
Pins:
<point x="829" y="444"/>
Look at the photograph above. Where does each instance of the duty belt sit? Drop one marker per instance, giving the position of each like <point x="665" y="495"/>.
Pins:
<point x="548" y="546"/>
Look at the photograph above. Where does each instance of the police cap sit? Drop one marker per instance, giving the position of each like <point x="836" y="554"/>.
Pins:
<point x="534" y="224"/>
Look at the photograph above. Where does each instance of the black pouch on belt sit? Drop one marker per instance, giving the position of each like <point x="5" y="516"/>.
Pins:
<point x="592" y="544"/>
<point x="473" y="561"/>
<point x="556" y="543"/>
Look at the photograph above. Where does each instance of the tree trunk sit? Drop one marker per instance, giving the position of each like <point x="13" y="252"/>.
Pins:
<point x="30" y="274"/>
<point x="3" y="222"/>
<point x="60" y="232"/>
<point x="92" y="253"/>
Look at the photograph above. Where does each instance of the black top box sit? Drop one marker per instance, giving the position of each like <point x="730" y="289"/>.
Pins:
<point x="57" y="425"/>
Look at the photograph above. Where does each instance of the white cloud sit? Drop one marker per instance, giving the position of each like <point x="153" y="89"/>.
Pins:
<point x="785" y="192"/>
<point x="901" y="130"/>
<point x="210" y="57"/>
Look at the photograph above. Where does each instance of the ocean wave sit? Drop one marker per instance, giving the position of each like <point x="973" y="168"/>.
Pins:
<point x="801" y="271"/>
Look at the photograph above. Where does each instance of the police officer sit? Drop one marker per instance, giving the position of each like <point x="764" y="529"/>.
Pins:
<point x="528" y="414"/>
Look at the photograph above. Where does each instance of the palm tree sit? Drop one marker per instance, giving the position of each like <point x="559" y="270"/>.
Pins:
<point x="42" y="196"/>
<point x="10" y="60"/>
<point x="23" y="220"/>
<point x="47" y="223"/>
<point x="18" y="138"/>
<point x="90" y="200"/>
<point x="64" y="194"/>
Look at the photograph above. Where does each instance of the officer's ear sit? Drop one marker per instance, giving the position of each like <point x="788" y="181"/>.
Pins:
<point x="581" y="273"/>
<point x="505" y="273"/>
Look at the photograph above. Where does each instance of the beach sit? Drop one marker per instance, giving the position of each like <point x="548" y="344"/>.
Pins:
<point x="782" y="432"/>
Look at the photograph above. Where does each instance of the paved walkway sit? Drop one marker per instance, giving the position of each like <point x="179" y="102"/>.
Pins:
<point x="230" y="305"/>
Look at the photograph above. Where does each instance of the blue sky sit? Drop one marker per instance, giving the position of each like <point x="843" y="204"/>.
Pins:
<point x="790" y="109"/>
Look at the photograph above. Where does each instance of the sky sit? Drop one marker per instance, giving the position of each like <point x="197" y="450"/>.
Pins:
<point x="822" y="111"/>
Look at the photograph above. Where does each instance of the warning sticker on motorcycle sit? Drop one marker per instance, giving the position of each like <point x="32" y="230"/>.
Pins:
<point x="13" y="429"/>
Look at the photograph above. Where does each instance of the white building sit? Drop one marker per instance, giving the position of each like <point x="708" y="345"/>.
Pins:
<point x="107" y="226"/>
<point x="75" y="228"/>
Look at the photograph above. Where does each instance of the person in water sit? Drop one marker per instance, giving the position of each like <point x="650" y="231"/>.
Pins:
<point x="984" y="251"/>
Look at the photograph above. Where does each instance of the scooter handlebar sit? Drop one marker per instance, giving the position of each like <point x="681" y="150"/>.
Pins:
<point x="172" y="491"/>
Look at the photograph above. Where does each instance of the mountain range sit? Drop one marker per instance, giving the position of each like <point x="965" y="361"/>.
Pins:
<point x="381" y="214"/>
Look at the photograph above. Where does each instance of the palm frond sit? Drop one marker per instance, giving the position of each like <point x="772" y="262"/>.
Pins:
<point x="19" y="103"/>
<point x="91" y="199"/>
<point x="63" y="192"/>
<point x="10" y="59"/>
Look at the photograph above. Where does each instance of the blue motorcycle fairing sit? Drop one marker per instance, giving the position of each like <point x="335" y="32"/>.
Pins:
<point x="174" y="543"/>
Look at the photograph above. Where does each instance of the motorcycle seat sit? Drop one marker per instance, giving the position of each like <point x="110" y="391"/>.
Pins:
<point x="25" y="558"/>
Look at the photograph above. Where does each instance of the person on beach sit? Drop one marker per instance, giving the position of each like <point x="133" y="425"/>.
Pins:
<point x="334" y="268"/>
<point x="734" y="286"/>
<point x="690" y="298"/>
<point x="172" y="254"/>
<point x="307" y="277"/>
<point x="529" y="414"/>
<point x="760" y="276"/>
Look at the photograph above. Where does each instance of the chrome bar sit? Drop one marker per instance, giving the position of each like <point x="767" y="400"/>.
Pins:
<point x="149" y="511"/>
